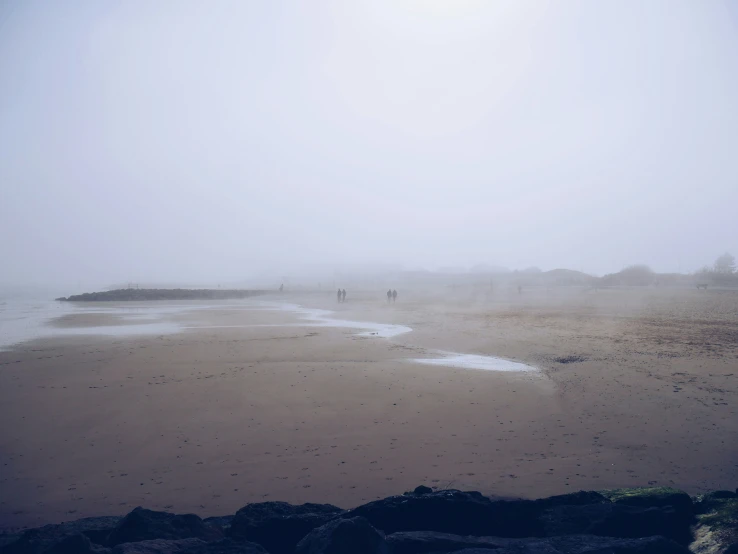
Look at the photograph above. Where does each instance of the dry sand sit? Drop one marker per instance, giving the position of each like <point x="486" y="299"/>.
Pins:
<point x="208" y="420"/>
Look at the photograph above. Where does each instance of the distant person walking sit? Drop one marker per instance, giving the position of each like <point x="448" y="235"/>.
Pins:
<point x="389" y="296"/>
<point x="394" y="296"/>
<point x="281" y="287"/>
<point x="338" y="295"/>
<point x="343" y="296"/>
<point x="520" y="289"/>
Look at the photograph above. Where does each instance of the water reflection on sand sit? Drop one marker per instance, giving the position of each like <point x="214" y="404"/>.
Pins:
<point x="26" y="322"/>
<point x="474" y="361"/>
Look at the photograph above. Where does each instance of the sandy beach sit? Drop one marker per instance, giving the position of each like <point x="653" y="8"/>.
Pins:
<point x="631" y="387"/>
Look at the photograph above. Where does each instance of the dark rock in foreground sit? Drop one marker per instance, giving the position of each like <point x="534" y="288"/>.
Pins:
<point x="467" y="513"/>
<point x="626" y="521"/>
<point x="613" y="520"/>
<point x="142" y="525"/>
<point x="158" y="546"/>
<point x="219" y="522"/>
<point x="419" y="542"/>
<point x="654" y="496"/>
<point x="423" y="542"/>
<point x="343" y="536"/>
<point x="76" y="544"/>
<point x="189" y="546"/>
<point x="43" y="539"/>
<point x="279" y="526"/>
<point x="123" y="295"/>
<point x="582" y="544"/>
<point x="716" y="531"/>
<point x="463" y="513"/>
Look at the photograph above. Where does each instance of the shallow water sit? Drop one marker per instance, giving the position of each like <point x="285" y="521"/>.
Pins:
<point x="27" y="320"/>
<point x="474" y="361"/>
<point x="24" y="319"/>
<point x="319" y="318"/>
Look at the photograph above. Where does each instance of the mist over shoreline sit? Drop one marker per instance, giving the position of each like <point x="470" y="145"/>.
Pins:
<point x="192" y="145"/>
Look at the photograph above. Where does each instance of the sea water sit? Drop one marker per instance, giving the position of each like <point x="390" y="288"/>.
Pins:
<point x="474" y="361"/>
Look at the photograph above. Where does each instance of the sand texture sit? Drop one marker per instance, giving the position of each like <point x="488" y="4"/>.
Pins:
<point x="632" y="388"/>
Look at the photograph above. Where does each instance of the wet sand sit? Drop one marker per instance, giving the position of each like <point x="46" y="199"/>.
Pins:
<point x="240" y="406"/>
<point x="73" y="321"/>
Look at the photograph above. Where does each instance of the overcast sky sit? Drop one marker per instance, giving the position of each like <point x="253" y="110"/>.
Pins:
<point x="193" y="140"/>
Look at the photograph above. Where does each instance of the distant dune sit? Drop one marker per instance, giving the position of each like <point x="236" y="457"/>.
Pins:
<point x="570" y="274"/>
<point x="161" y="294"/>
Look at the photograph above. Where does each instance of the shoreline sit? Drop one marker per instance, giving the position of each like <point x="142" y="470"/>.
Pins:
<point x="119" y="323"/>
<point x="298" y="412"/>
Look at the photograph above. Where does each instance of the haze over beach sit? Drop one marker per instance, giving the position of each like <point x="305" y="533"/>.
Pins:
<point x="327" y="252"/>
<point x="154" y="142"/>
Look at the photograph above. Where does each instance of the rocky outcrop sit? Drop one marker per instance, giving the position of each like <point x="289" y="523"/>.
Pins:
<point x="468" y="513"/>
<point x="421" y="542"/>
<point x="418" y="542"/>
<point x="142" y="525"/>
<point x="51" y="538"/>
<point x="680" y="501"/>
<point x="76" y="544"/>
<point x="158" y="546"/>
<point x="342" y="536"/>
<point x="219" y="522"/>
<point x="189" y="546"/>
<point x="626" y="521"/>
<point x="716" y="531"/>
<point x="462" y="513"/>
<point x="279" y="526"/>
<point x="613" y="520"/>
<point x="124" y="295"/>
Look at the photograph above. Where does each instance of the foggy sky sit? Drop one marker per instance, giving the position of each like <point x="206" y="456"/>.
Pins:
<point x="184" y="140"/>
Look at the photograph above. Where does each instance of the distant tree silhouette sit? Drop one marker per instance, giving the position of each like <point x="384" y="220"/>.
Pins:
<point x="638" y="275"/>
<point x="725" y="264"/>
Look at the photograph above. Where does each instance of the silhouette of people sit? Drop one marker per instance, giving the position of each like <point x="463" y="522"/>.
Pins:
<point x="281" y="287"/>
<point x="343" y="296"/>
<point x="338" y="295"/>
<point x="520" y="289"/>
<point x="389" y="296"/>
<point x="394" y="296"/>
